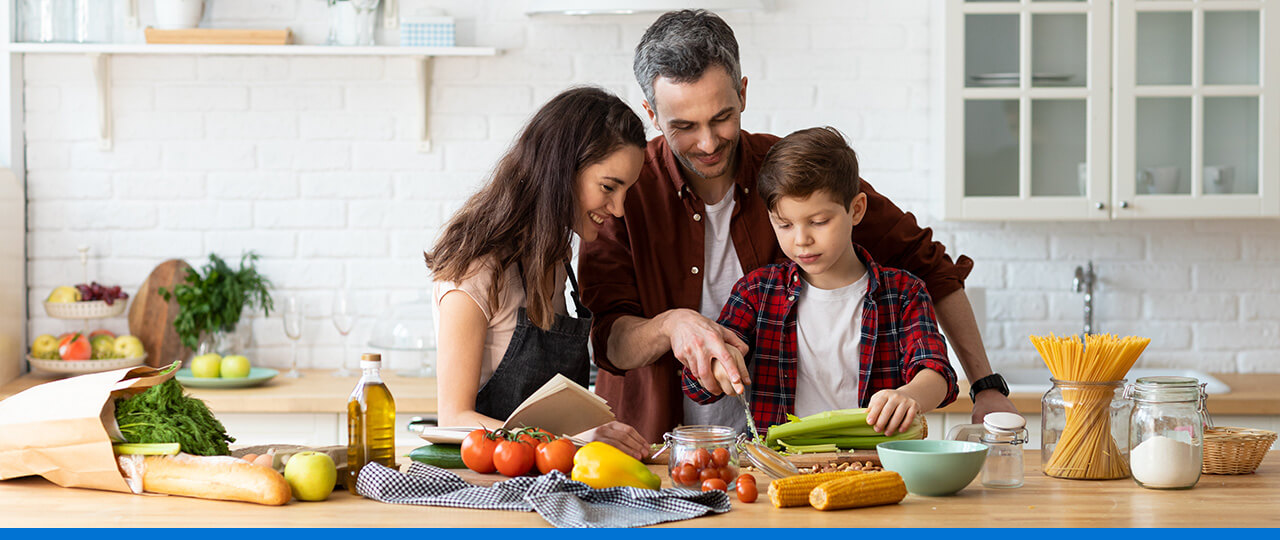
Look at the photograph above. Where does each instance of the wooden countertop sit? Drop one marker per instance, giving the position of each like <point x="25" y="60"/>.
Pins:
<point x="317" y="391"/>
<point x="320" y="392"/>
<point x="1217" y="501"/>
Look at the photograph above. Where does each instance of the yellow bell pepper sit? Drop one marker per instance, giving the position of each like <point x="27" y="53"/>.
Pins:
<point x="600" y="465"/>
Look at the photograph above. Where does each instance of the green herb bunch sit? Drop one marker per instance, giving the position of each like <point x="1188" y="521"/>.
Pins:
<point x="213" y="302"/>
<point x="164" y="414"/>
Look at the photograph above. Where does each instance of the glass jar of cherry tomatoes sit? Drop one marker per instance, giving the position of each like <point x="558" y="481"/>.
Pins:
<point x="702" y="453"/>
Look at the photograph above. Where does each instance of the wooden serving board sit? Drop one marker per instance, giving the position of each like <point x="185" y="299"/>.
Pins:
<point x="220" y="36"/>
<point x="151" y="317"/>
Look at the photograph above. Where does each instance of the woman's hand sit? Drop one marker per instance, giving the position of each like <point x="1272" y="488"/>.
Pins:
<point x="620" y="436"/>
<point x="891" y="411"/>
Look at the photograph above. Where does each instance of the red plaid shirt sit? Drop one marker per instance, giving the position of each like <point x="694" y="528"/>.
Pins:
<point x="900" y="337"/>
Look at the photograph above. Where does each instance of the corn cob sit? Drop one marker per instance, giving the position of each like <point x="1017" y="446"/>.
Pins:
<point x="794" y="490"/>
<point x="870" y="489"/>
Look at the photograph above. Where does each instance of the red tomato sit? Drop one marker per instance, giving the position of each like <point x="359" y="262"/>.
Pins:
<point x="532" y="436"/>
<point x="688" y="476"/>
<point x="100" y="332"/>
<point x="556" y="455"/>
<point x="726" y="473"/>
<point x="746" y="477"/>
<point x="701" y="458"/>
<point x="74" y="347"/>
<point x="720" y="457"/>
<point x="747" y="491"/>
<point x="477" y="451"/>
<point x="714" y="484"/>
<point x="708" y="473"/>
<point x="513" y="458"/>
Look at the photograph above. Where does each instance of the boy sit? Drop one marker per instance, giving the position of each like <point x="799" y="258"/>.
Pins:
<point x="830" y="329"/>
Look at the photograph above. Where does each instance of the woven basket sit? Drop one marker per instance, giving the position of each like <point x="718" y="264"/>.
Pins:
<point x="1234" y="450"/>
<point x="92" y="309"/>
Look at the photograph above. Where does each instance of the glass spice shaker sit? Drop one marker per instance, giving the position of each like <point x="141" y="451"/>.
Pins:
<point x="1004" y="434"/>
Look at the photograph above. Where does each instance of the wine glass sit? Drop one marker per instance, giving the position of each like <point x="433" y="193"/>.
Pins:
<point x="293" y="330"/>
<point x="344" y="319"/>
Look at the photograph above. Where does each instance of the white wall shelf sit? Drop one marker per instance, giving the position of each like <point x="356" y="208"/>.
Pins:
<point x="253" y="50"/>
<point x="100" y="54"/>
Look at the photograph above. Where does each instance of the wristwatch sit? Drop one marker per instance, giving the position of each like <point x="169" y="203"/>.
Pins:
<point x="993" y="380"/>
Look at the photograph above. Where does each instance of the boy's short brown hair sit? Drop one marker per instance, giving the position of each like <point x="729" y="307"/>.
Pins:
<point x="808" y="161"/>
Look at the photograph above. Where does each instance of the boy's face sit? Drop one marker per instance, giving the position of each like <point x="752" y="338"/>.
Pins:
<point x="816" y="232"/>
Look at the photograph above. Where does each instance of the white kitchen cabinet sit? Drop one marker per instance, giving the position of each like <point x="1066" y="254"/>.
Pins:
<point x="1061" y="110"/>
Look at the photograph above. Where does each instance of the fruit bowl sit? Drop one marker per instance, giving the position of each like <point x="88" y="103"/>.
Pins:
<point x="93" y="309"/>
<point x="84" y="366"/>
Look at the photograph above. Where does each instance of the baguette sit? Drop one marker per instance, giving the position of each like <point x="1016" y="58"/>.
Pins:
<point x="211" y="477"/>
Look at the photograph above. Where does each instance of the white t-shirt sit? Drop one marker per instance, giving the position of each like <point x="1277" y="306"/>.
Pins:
<point x="720" y="271"/>
<point x="828" y="335"/>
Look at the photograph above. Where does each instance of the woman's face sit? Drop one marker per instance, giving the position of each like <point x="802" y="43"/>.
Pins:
<point x="602" y="188"/>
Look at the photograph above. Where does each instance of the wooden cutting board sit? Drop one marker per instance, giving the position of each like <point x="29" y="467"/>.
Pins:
<point x="219" y="36"/>
<point x="151" y="317"/>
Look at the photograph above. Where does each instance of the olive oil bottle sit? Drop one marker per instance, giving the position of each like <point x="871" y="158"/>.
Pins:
<point x="371" y="421"/>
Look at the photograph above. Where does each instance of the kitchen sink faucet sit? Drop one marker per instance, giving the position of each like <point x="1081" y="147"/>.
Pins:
<point x="1084" y="283"/>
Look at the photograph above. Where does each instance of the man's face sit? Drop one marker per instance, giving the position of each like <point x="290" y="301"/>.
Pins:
<point x="701" y="120"/>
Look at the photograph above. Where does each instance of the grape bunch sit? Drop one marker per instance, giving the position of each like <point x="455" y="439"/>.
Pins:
<point x="97" y="291"/>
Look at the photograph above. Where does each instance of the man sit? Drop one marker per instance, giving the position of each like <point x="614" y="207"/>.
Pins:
<point x="657" y="279"/>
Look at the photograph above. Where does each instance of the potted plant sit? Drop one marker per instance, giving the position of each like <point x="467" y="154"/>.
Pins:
<point x="210" y="302"/>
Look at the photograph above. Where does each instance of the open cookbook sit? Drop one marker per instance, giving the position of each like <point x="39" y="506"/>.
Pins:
<point x="561" y="406"/>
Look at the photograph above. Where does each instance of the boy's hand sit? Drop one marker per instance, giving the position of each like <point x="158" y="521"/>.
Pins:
<point x="731" y="385"/>
<point x="891" y="411"/>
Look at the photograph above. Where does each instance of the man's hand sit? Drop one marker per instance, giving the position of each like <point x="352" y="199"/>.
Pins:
<point x="989" y="401"/>
<point x="696" y="341"/>
<point x="892" y="411"/>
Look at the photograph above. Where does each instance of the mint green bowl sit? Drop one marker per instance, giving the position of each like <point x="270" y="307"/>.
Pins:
<point x="933" y="468"/>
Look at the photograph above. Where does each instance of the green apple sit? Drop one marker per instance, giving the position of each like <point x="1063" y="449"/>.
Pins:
<point x="45" y="346"/>
<point x="311" y="475"/>
<point x="63" y="295"/>
<point x="104" y="347"/>
<point x="235" y="367"/>
<point x="207" y="366"/>
<point x="129" y="347"/>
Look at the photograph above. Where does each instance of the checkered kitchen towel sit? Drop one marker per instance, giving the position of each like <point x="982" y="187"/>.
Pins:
<point x="559" y="500"/>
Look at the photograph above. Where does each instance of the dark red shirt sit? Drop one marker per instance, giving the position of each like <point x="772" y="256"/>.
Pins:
<point x="900" y="337"/>
<point x="642" y="265"/>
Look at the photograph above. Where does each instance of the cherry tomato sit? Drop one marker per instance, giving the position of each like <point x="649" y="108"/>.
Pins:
<point x="74" y="347"/>
<point x="714" y="484"/>
<point x="747" y="491"/>
<point x="477" y="451"/>
<point x="720" y="457"/>
<point x="746" y="477"/>
<point x="533" y="436"/>
<point x="701" y="458"/>
<point x="688" y="476"/>
<point x="708" y="473"/>
<point x="556" y="455"/>
<point x="726" y="474"/>
<point x="513" y="458"/>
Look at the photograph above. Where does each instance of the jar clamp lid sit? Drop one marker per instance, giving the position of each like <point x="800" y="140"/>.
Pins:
<point x="1170" y="389"/>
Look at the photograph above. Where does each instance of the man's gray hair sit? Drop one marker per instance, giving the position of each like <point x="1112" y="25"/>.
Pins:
<point x="681" y="45"/>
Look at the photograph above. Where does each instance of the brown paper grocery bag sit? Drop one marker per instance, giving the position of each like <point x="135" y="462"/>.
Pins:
<point x="62" y="430"/>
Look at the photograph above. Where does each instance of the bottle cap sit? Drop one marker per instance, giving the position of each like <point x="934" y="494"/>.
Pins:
<point x="1003" y="421"/>
<point x="370" y="360"/>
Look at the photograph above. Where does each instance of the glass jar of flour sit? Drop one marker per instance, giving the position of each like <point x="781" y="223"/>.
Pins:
<point x="1166" y="431"/>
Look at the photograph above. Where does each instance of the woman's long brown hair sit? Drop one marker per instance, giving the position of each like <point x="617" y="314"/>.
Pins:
<point x="527" y="211"/>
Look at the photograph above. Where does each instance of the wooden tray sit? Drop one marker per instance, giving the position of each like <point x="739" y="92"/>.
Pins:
<point x="220" y="36"/>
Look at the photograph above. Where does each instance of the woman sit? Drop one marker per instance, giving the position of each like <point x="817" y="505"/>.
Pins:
<point x="501" y="264"/>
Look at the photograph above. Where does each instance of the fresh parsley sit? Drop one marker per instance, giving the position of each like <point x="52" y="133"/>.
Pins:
<point x="164" y="414"/>
<point x="213" y="301"/>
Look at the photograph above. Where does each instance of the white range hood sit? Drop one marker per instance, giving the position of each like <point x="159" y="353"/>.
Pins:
<point x="628" y="7"/>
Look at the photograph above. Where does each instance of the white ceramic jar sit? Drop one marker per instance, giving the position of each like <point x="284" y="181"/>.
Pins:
<point x="178" y="14"/>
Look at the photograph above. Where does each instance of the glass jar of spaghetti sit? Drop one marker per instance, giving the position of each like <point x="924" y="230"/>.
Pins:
<point x="1085" y="430"/>
<point x="1166" y="431"/>
<point x="700" y="453"/>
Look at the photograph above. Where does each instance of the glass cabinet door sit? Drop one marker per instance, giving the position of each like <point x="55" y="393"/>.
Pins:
<point x="1191" y="92"/>
<point x="1026" y="109"/>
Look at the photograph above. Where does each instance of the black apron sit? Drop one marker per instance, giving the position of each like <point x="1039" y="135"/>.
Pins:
<point x="535" y="356"/>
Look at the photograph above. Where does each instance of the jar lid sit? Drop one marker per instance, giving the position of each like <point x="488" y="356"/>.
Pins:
<point x="1003" y="421"/>
<point x="766" y="459"/>
<point x="1166" y="388"/>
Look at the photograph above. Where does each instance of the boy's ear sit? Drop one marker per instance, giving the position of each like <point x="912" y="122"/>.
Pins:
<point x="858" y="207"/>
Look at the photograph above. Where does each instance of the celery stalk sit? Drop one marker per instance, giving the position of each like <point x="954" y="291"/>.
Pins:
<point x="807" y="449"/>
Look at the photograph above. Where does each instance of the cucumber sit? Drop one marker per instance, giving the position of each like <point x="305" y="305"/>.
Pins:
<point x="146" y="449"/>
<point x="445" y="456"/>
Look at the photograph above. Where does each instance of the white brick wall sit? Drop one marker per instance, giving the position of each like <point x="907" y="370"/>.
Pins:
<point x="311" y="162"/>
